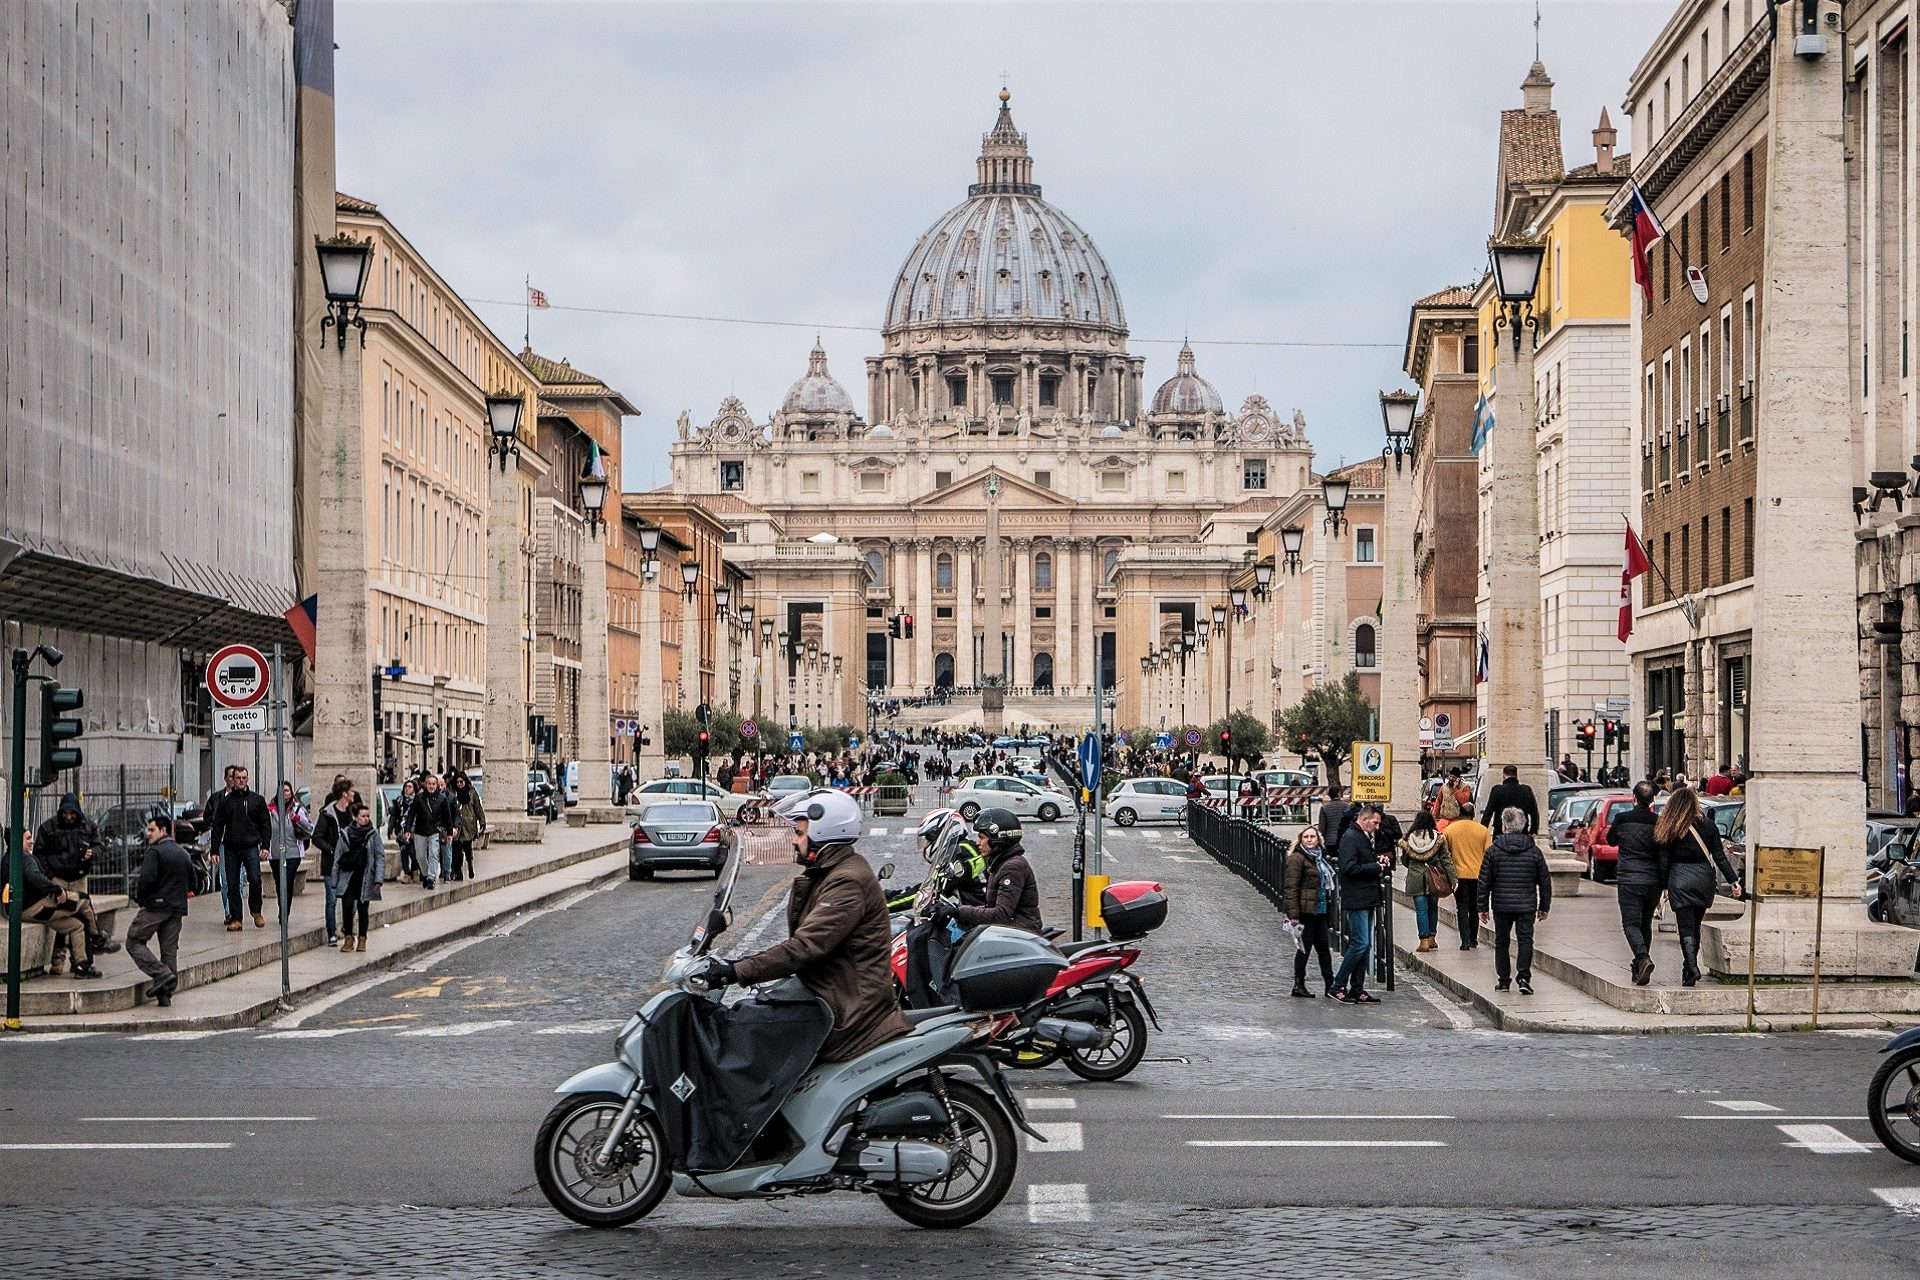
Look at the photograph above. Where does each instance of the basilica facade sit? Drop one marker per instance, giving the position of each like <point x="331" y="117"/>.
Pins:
<point x="1012" y="486"/>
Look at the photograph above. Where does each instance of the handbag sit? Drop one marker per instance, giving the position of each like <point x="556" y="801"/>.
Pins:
<point x="1437" y="882"/>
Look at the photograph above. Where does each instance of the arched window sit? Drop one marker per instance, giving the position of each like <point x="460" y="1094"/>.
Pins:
<point x="1043" y="671"/>
<point x="1043" y="572"/>
<point x="943" y="671"/>
<point x="877" y="568"/>
<point x="1110" y="562"/>
<point x="943" y="571"/>
<point x="1363" y="646"/>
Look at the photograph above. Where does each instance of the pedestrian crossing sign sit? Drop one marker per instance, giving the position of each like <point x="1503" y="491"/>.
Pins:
<point x="1373" y="772"/>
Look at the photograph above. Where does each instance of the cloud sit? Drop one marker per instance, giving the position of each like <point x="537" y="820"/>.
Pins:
<point x="1283" y="171"/>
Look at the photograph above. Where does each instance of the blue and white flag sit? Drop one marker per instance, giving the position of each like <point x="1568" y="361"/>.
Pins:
<point x="1482" y="423"/>
<point x="1483" y="662"/>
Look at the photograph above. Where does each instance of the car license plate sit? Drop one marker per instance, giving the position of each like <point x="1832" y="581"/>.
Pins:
<point x="669" y="837"/>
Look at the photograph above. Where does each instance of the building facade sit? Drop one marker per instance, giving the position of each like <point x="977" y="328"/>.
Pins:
<point x="1327" y="610"/>
<point x="1009" y="460"/>
<point x="1699" y="101"/>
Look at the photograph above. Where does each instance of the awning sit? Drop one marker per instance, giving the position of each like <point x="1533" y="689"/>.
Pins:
<point x="1465" y="738"/>
<point x="202" y="608"/>
<point x="468" y="740"/>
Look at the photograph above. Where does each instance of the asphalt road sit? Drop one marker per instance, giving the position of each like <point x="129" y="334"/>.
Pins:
<point x="389" y="1131"/>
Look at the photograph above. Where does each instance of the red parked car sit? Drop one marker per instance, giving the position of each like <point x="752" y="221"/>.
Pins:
<point x="1591" y="847"/>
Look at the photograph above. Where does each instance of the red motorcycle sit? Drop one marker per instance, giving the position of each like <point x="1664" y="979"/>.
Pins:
<point x="1094" y="1015"/>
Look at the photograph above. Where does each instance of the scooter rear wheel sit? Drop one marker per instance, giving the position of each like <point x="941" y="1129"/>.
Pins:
<point x="570" y="1139"/>
<point x="1893" y="1104"/>
<point x="984" y="1160"/>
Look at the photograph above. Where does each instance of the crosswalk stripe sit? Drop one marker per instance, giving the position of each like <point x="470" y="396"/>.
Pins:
<point x="177" y="1035"/>
<point x="1822" y="1139"/>
<point x="456" y="1029"/>
<point x="1057" y="1135"/>
<point x="311" y="1033"/>
<point x="1268" y="1116"/>
<point x="878" y="831"/>
<point x="581" y="1028"/>
<point x="1312" y="1142"/>
<point x="1058" y="1202"/>
<point x="47" y="1037"/>
<point x="1902" y="1200"/>
<point x="115" y="1146"/>
<point x="1048" y="1104"/>
<point x="1737" y="1105"/>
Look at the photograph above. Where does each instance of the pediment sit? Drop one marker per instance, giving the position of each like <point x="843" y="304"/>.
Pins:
<point x="970" y="493"/>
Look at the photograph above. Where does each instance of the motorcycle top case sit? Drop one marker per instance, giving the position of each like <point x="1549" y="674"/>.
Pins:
<point x="1132" y="909"/>
<point x="1000" y="968"/>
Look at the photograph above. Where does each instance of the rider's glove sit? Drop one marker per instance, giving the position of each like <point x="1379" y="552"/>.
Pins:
<point x="717" y="974"/>
<point x="942" y="910"/>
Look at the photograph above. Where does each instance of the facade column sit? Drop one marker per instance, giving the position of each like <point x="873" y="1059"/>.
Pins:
<point x="1516" y="728"/>
<point x="1263" y="675"/>
<point x="343" y="728"/>
<point x="1022" y="669"/>
<point x="596" y="788"/>
<point x="651" y="702"/>
<point x="1399" y="673"/>
<point x="964" y="675"/>
<point x="922" y="616"/>
<point x="1336" y="651"/>
<point x="1088" y="629"/>
<point x="1806" y="791"/>
<point x="504" y="727"/>
<point x="1066" y="643"/>
<point x="689" y="649"/>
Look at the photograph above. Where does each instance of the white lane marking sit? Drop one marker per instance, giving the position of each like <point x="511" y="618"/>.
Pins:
<point x="193" y="1119"/>
<point x="1739" y="1105"/>
<point x="47" y="1037"/>
<point x="878" y="831"/>
<point x="1823" y="1139"/>
<point x="1775" y="1118"/>
<point x="177" y="1035"/>
<point x="1058" y="1135"/>
<point x="312" y="1033"/>
<point x="1352" y="1034"/>
<point x="1902" y="1200"/>
<point x="1231" y="1033"/>
<point x="115" y="1146"/>
<point x="1058" y="1202"/>
<point x="458" y="1029"/>
<point x="1048" y="1104"/>
<point x="582" y="1028"/>
<point x="1302" y="1117"/>
<point x="1456" y="1017"/>
<point x="1153" y="835"/>
<point x="299" y="1016"/>
<point x="1314" y="1142"/>
<point x="1862" y="1033"/>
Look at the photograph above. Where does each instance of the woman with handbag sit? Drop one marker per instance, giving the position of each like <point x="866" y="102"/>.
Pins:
<point x="1689" y="848"/>
<point x="1305" y="885"/>
<point x="1430" y="875"/>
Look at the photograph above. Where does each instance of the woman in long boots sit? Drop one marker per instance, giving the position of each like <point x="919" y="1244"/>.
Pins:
<point x="1688" y="844"/>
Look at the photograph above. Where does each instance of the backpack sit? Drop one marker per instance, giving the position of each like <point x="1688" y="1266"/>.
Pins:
<point x="1449" y="802"/>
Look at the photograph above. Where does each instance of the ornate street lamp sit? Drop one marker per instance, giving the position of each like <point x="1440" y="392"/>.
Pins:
<point x="1220" y="610"/>
<point x="503" y="428"/>
<point x="1516" y="274"/>
<point x="783" y="644"/>
<point x="593" y="491"/>
<point x="1291" y="540"/>
<point x="1397" y="409"/>
<point x="1263" y="572"/>
<point x="1204" y="626"/>
<point x="766" y="635"/>
<point x="1238" y="597"/>
<point x="836" y="666"/>
<point x="722" y="597"/>
<point x="689" y="575"/>
<point x="746" y="616"/>
<point x="344" y="264"/>
<point x="1335" y="492"/>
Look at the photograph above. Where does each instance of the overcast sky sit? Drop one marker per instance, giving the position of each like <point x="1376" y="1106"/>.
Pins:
<point x="1253" y="173"/>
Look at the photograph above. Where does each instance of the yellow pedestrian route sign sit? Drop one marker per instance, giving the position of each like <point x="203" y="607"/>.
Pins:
<point x="1373" y="772"/>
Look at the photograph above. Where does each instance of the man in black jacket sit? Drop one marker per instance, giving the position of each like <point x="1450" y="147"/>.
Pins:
<point x="1331" y="811"/>
<point x="65" y="844"/>
<point x="161" y="895"/>
<point x="52" y="904"/>
<point x="1517" y="888"/>
<point x="1012" y="896"/>
<point x="1638" y="879"/>
<point x="430" y="822"/>
<point x="1511" y="793"/>
<point x="1360" y="866"/>
<point x="238" y="828"/>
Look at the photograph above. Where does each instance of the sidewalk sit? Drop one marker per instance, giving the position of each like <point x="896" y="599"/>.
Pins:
<point x="1582" y="980"/>
<point x="233" y="979"/>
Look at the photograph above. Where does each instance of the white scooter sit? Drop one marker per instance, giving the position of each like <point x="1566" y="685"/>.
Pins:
<point x="896" y="1122"/>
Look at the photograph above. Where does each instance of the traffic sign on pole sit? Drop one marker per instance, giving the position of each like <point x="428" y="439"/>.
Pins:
<point x="239" y="720"/>
<point x="1373" y="772"/>
<point x="237" y="676"/>
<point x="1089" y="752"/>
<point x="795" y="742"/>
<point x="749" y="729"/>
<point x="1193" y="737"/>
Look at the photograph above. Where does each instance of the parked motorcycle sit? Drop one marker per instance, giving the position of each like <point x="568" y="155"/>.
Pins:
<point x="1893" y="1099"/>
<point x="898" y="1121"/>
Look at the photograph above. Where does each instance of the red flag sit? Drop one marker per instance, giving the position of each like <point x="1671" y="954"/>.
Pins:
<point x="301" y="618"/>
<point x="1632" y="566"/>
<point x="1645" y="231"/>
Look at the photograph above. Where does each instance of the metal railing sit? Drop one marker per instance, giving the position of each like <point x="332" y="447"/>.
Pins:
<point x="1259" y="857"/>
<point x="117" y="799"/>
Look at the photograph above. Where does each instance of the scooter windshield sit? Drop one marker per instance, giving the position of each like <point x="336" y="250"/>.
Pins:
<point x="722" y="911"/>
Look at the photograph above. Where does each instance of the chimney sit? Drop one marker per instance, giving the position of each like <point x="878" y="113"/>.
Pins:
<point x="1537" y="90"/>
<point x="1603" y="139"/>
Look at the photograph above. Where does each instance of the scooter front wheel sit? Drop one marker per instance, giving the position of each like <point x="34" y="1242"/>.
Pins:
<point x="566" y="1158"/>
<point x="1121" y="1054"/>
<point x="1893" y="1104"/>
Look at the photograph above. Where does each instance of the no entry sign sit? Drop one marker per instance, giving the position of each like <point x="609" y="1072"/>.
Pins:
<point x="237" y="676"/>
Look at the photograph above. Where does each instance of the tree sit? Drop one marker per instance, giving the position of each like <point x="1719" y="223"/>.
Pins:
<point x="677" y="730"/>
<point x="1251" y="739"/>
<point x="828" y="737"/>
<point x="1326" y="722"/>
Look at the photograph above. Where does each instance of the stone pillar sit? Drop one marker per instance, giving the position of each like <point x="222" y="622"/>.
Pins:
<point x="1806" y="790"/>
<point x="504" y="727"/>
<point x="1336" y="655"/>
<point x="343" y="729"/>
<point x="993" y="658"/>
<point x="1022" y="672"/>
<point x="923" y="615"/>
<point x="1399" y="670"/>
<point x="689" y="647"/>
<point x="596" y="757"/>
<point x="1066" y="641"/>
<point x="651" y="704"/>
<point x="1516" y="729"/>
<point x="1264" y="676"/>
<point x="964" y="674"/>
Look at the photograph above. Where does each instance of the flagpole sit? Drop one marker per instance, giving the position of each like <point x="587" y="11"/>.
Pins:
<point x="1664" y="580"/>
<point x="526" y="299"/>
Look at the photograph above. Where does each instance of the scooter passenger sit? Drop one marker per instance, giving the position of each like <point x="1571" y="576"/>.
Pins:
<point x="839" y="939"/>
<point x="1012" y="896"/>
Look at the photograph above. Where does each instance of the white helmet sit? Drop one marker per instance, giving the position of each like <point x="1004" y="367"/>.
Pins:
<point x="831" y="816"/>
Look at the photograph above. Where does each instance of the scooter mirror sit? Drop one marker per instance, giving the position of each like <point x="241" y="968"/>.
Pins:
<point x="886" y="871"/>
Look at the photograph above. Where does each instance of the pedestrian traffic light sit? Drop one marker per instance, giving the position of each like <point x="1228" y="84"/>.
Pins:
<point x="56" y="727"/>
<point x="1611" y="729"/>
<point x="906" y="626"/>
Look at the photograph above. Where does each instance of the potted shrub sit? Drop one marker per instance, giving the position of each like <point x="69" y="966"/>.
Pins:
<point x="891" y="794"/>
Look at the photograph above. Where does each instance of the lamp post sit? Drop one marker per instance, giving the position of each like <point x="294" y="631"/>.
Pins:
<point x="651" y="702"/>
<point x="1396" y="644"/>
<point x="1220" y="620"/>
<point x="344" y="265"/>
<point x="689" y="636"/>
<point x="1515" y="691"/>
<point x="503" y="428"/>
<point x="1292" y="538"/>
<point x="596" y="754"/>
<point x="1333" y="593"/>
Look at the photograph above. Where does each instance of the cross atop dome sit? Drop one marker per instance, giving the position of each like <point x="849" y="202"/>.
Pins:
<point x="1004" y="165"/>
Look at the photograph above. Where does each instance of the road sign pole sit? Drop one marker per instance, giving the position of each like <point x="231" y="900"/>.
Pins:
<point x="16" y="833"/>
<point x="1819" y="917"/>
<point x="281" y="817"/>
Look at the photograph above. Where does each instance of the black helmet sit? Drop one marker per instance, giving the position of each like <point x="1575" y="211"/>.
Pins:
<point x="999" y="826"/>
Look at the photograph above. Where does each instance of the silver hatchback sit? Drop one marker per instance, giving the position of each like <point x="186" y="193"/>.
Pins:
<point x="678" y="834"/>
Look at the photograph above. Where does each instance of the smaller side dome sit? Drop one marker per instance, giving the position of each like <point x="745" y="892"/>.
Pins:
<point x="818" y="392"/>
<point x="1186" y="392"/>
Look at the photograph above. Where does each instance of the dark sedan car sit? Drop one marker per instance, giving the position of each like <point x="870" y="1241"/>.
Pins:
<point x="678" y="835"/>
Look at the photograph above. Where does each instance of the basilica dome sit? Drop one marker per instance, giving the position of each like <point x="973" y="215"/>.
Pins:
<point x="819" y="392"/>
<point x="1186" y="392"/>
<point x="1004" y="253"/>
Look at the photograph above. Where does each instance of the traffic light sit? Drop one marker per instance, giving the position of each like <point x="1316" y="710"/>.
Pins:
<point x="426" y="738"/>
<point x="1612" y="727"/>
<point x="701" y="741"/>
<point x="1585" y="730"/>
<point x="893" y="626"/>
<point x="906" y="626"/>
<point x="57" y="727"/>
<point x="1226" y="742"/>
<point x="1623" y="735"/>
